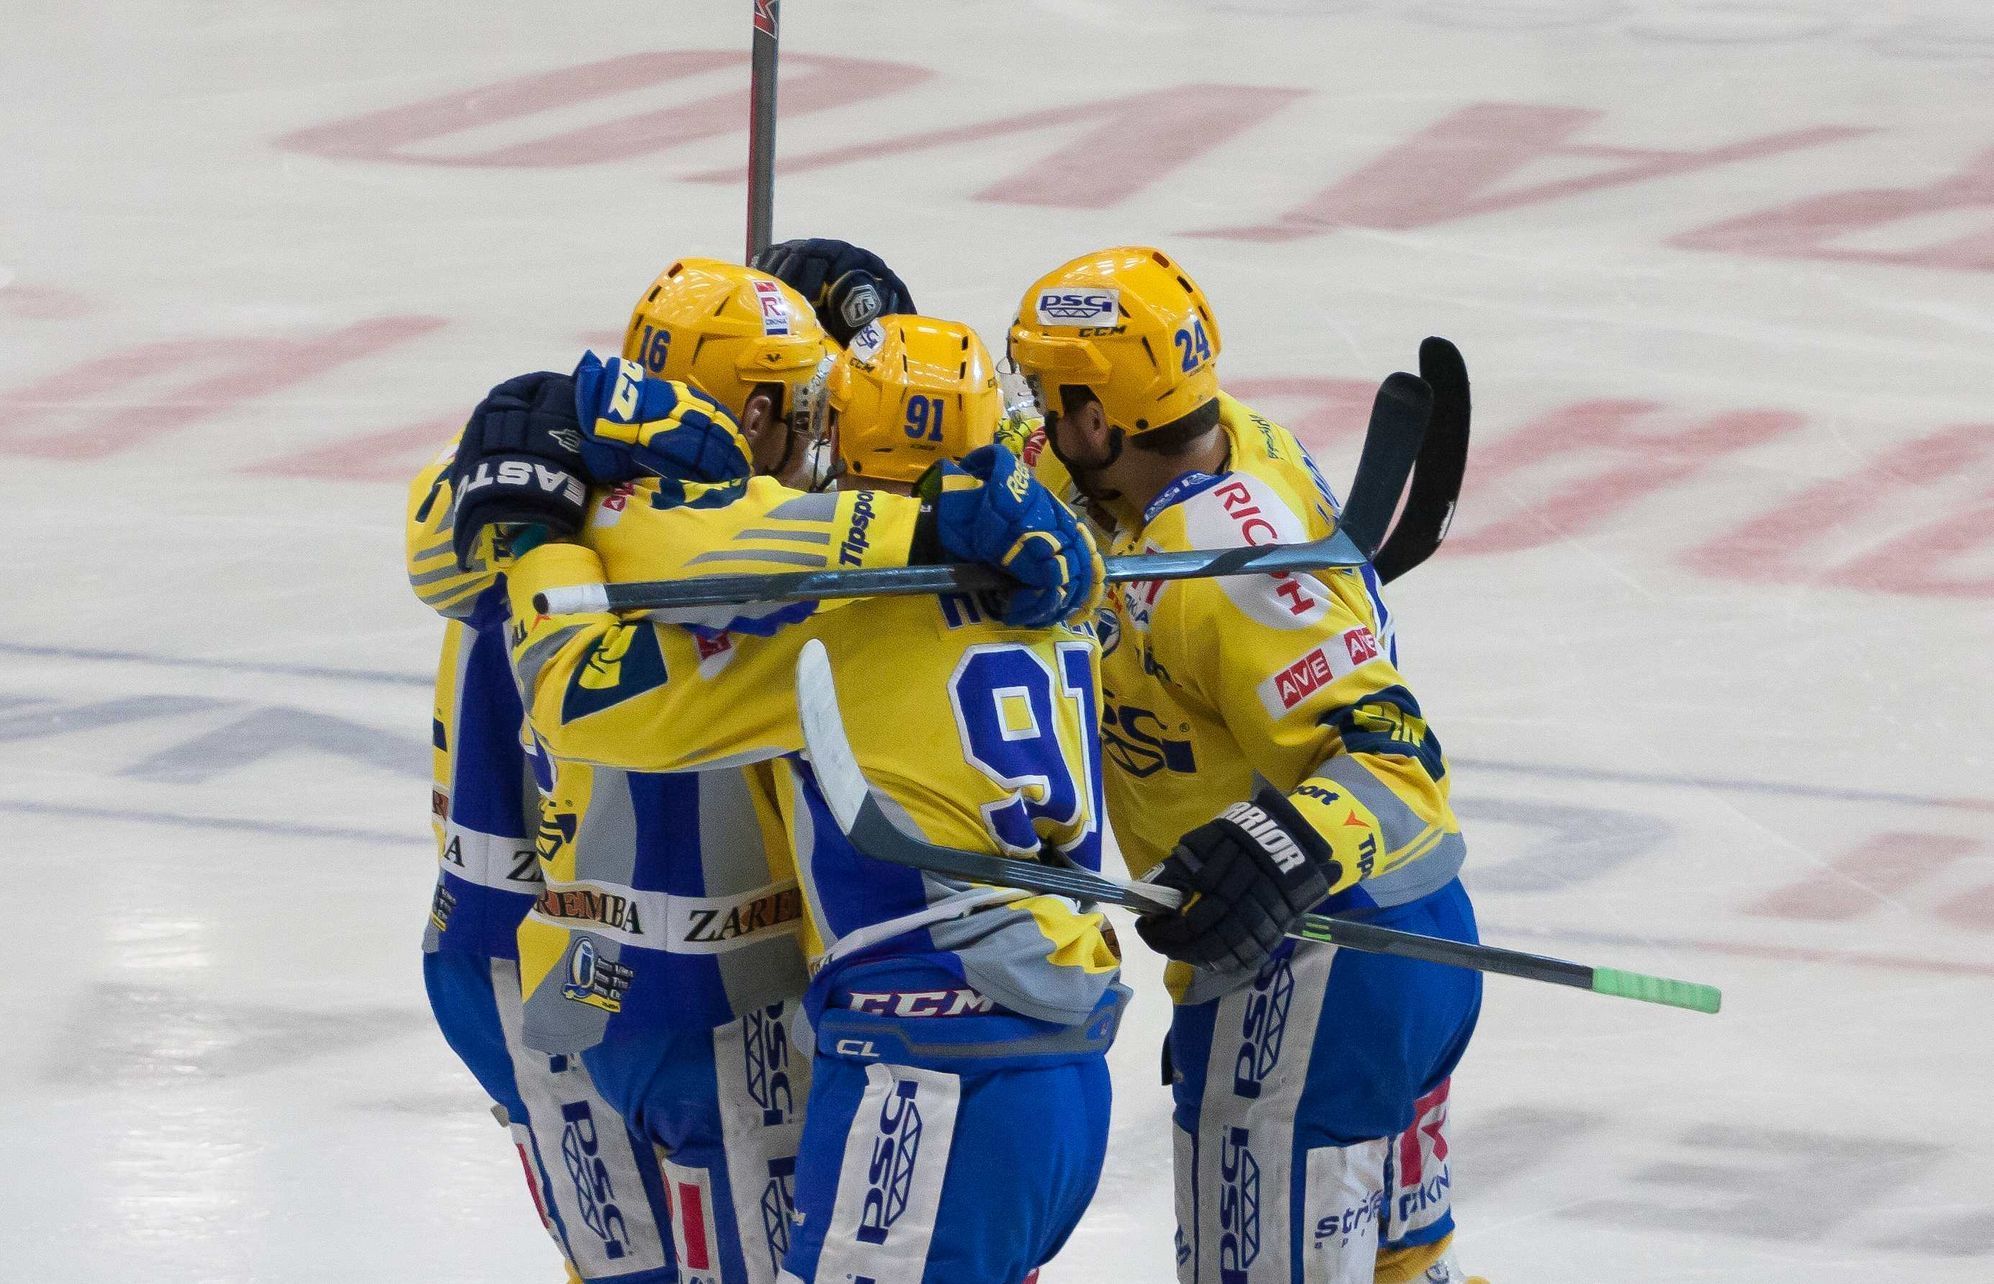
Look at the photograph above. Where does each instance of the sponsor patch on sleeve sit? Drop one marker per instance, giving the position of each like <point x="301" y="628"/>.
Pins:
<point x="1317" y="668"/>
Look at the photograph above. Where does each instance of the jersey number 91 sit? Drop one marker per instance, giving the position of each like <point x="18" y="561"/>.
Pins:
<point x="1006" y="700"/>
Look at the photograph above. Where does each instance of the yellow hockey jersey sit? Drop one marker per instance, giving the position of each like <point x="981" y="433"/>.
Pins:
<point x="983" y="734"/>
<point x="667" y="878"/>
<point x="1215" y="685"/>
<point x="482" y="799"/>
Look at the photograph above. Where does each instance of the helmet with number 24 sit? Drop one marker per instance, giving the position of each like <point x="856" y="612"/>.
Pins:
<point x="1130" y="326"/>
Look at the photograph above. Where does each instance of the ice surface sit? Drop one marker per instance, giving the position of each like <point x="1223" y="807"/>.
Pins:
<point x="1717" y="704"/>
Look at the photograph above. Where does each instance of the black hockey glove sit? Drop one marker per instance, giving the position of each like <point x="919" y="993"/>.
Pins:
<point x="519" y="461"/>
<point x="847" y="286"/>
<point x="1248" y="877"/>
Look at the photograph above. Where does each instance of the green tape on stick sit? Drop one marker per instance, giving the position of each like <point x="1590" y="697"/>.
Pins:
<point x="1656" y="989"/>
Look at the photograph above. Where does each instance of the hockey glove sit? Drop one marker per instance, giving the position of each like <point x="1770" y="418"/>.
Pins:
<point x="634" y="426"/>
<point x="990" y="509"/>
<point x="1248" y="877"/>
<point x="847" y="286"/>
<point x="519" y="462"/>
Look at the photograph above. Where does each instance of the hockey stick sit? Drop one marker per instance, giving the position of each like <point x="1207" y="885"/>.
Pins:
<point x="1398" y="422"/>
<point x="761" y="127"/>
<point x="1443" y="459"/>
<point x="877" y="834"/>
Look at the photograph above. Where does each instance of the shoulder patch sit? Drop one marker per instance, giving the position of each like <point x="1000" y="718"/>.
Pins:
<point x="1241" y="510"/>
<point x="625" y="664"/>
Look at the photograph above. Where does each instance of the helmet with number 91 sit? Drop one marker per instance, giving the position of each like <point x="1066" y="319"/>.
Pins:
<point x="909" y="391"/>
<point x="1130" y="326"/>
<point x="724" y="329"/>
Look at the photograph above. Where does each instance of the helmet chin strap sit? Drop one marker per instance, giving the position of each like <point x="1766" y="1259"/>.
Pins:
<point x="1077" y="468"/>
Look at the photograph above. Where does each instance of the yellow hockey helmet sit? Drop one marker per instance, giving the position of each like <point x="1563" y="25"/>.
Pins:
<point x="724" y="328"/>
<point x="1129" y="325"/>
<point x="909" y="391"/>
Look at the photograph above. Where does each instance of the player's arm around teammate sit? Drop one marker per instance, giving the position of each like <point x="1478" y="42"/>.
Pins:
<point x="1265" y="754"/>
<point x="608" y="1226"/>
<point x="919" y="982"/>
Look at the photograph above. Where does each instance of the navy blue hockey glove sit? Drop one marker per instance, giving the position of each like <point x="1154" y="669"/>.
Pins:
<point x="519" y="462"/>
<point x="1248" y="877"/>
<point x="846" y="286"/>
<point x="636" y="426"/>
<point x="990" y="509"/>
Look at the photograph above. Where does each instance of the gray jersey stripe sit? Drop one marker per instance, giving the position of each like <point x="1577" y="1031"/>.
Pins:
<point x="771" y="555"/>
<point x="794" y="537"/>
<point x="527" y="664"/>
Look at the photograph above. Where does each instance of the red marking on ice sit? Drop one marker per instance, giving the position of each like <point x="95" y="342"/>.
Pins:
<point x="1772" y="547"/>
<point x="1632" y="466"/>
<point x="1330" y="410"/>
<point x="810" y="83"/>
<point x="1135" y="142"/>
<point x="1873" y="874"/>
<point x="160" y="389"/>
<point x="393" y="454"/>
<point x="1457" y="168"/>
<point x="1807" y="228"/>
<point x="44" y="302"/>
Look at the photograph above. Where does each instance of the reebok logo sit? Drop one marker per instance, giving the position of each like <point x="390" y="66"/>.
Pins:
<point x="1266" y="831"/>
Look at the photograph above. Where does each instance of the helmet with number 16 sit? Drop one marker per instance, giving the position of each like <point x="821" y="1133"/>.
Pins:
<point x="908" y="392"/>
<point x="733" y="332"/>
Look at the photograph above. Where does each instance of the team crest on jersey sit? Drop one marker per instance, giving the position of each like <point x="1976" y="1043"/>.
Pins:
<point x="556" y="830"/>
<point x="1137" y="742"/>
<point x="1108" y="628"/>
<point x="1079" y="307"/>
<point x="626" y="663"/>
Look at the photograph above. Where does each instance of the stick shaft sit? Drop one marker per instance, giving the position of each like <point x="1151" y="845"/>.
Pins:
<point x="761" y="127"/>
<point x="896" y="581"/>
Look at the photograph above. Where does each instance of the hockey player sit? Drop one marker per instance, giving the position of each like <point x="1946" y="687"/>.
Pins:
<point x="682" y="995"/>
<point x="943" y="1013"/>
<point x="1268" y="757"/>
<point x="595" y="1187"/>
